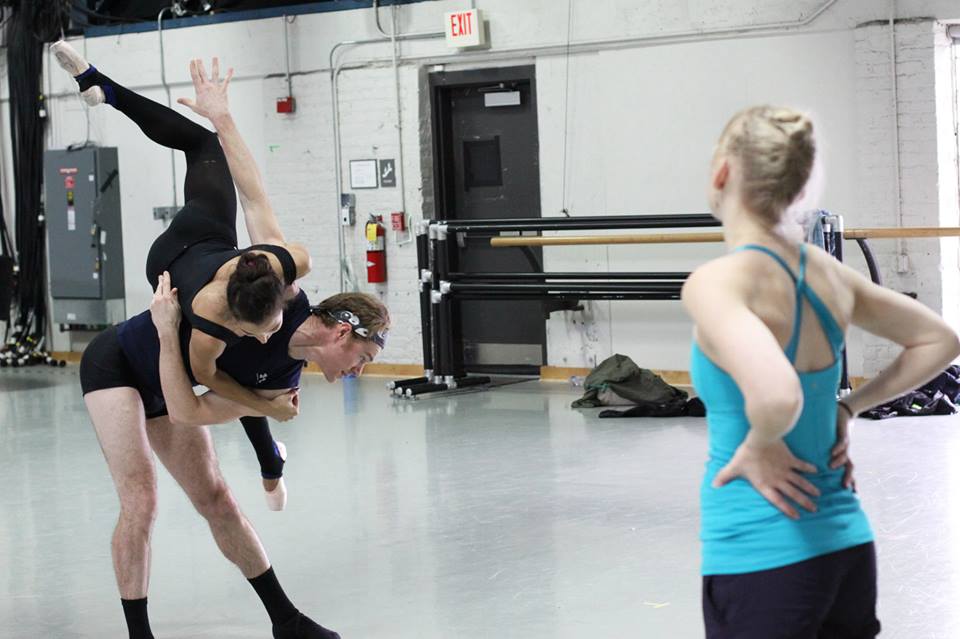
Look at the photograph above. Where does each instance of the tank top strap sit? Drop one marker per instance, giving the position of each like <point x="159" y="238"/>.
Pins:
<point x="791" y="349"/>
<point x="286" y="260"/>
<point x="802" y="268"/>
<point x="763" y="249"/>
<point x="213" y="329"/>
<point x="831" y="328"/>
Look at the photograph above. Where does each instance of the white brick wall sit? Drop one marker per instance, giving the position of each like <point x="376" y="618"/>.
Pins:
<point x="921" y="119"/>
<point x="299" y="169"/>
<point x="640" y="125"/>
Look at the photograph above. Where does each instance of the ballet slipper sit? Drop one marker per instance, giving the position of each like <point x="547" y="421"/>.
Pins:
<point x="277" y="497"/>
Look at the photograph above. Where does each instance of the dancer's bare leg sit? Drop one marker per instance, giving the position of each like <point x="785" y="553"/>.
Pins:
<point x="118" y="418"/>
<point x="187" y="452"/>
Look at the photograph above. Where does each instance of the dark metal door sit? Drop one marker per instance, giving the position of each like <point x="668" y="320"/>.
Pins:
<point x="488" y="149"/>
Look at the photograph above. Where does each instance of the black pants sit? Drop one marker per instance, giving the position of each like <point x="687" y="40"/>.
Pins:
<point x="209" y="214"/>
<point x="833" y="596"/>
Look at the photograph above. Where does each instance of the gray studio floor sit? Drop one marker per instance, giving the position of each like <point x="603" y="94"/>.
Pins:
<point x="494" y="514"/>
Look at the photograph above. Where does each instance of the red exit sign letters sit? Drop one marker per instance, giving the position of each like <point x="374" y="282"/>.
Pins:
<point x="464" y="28"/>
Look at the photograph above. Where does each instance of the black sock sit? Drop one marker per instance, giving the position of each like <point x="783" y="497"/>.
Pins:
<point x="258" y="432"/>
<point x="138" y="624"/>
<point x="274" y="599"/>
<point x="92" y="77"/>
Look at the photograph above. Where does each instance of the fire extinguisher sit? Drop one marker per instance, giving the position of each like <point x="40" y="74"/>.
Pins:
<point x="376" y="250"/>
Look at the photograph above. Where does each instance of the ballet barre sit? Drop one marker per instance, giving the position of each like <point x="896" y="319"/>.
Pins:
<point x="693" y="238"/>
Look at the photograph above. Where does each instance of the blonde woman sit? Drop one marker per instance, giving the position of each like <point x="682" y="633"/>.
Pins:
<point x="787" y="550"/>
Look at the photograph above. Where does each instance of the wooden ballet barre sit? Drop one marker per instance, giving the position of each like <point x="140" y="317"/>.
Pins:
<point x="678" y="238"/>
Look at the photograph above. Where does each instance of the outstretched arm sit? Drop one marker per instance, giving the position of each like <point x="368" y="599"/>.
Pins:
<point x="211" y="102"/>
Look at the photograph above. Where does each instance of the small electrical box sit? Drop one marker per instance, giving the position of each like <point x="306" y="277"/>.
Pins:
<point x="348" y="209"/>
<point x="287" y="104"/>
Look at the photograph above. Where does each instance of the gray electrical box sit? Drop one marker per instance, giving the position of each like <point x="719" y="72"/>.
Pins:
<point x="82" y="198"/>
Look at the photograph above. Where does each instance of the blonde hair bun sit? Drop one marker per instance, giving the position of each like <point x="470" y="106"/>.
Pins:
<point x="775" y="149"/>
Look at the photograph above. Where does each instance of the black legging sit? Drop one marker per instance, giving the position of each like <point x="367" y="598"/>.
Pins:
<point x="258" y="432"/>
<point x="210" y="211"/>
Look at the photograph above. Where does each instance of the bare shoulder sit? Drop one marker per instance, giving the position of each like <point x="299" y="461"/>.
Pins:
<point x="842" y="281"/>
<point x="721" y="282"/>
<point x="723" y="275"/>
<point x="823" y="260"/>
<point x="209" y="301"/>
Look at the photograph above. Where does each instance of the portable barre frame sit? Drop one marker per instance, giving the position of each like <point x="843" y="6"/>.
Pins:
<point x="441" y="289"/>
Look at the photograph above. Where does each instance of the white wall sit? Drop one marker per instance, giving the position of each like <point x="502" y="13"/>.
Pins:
<point x="641" y="120"/>
<point x="670" y="103"/>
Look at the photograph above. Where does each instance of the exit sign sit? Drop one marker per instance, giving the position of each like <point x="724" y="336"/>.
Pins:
<point x="464" y="28"/>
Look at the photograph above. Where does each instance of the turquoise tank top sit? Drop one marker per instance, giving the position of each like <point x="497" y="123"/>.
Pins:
<point x="741" y="531"/>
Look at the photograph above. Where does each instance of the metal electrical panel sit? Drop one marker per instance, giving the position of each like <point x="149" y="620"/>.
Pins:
<point x="82" y="198"/>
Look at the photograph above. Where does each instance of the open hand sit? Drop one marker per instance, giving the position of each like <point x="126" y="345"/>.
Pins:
<point x="164" y="307"/>
<point x="775" y="473"/>
<point x="211" y="99"/>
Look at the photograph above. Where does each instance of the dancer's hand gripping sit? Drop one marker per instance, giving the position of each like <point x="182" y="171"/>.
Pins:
<point x="164" y="307"/>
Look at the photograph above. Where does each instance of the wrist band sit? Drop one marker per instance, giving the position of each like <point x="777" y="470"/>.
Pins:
<point x="848" y="409"/>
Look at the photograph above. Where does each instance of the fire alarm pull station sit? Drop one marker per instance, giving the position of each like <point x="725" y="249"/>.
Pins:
<point x="287" y="104"/>
<point x="398" y="221"/>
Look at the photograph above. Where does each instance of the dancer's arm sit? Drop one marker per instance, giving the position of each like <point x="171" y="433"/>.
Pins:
<point x="204" y="351"/>
<point x="716" y="297"/>
<point x="929" y="344"/>
<point x="262" y="224"/>
<point x="737" y="340"/>
<point x="183" y="406"/>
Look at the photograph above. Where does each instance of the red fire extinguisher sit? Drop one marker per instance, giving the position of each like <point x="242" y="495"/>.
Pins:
<point x="376" y="250"/>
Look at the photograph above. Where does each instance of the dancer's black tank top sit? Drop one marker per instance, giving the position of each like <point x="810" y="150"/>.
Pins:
<point x="249" y="362"/>
<point x="189" y="272"/>
<point x="197" y="265"/>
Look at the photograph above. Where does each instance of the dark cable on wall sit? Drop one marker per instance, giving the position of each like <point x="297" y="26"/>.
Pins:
<point x="31" y="24"/>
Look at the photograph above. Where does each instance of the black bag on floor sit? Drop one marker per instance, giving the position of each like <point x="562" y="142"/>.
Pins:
<point x="674" y="408"/>
<point x="939" y="396"/>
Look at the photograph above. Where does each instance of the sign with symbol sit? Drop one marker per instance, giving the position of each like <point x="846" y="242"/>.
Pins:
<point x="388" y="174"/>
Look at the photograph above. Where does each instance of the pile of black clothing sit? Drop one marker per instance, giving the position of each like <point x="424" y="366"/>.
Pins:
<point x="618" y="381"/>
<point x="939" y="396"/>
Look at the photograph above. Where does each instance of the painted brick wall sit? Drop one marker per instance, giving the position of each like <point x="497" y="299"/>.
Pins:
<point x="924" y="267"/>
<point x="639" y="121"/>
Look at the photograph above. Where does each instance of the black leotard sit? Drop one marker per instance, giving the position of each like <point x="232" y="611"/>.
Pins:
<point x="195" y="267"/>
